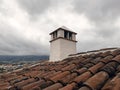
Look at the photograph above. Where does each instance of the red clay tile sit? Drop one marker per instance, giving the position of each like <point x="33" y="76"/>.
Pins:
<point x="59" y="76"/>
<point x="97" y="81"/>
<point x="69" y="67"/>
<point x="110" y="68"/>
<point x="32" y="85"/>
<point x="52" y="74"/>
<point x="96" y="67"/>
<point x="9" y="77"/>
<point x="86" y="56"/>
<point x="69" y="77"/>
<point x="96" y="60"/>
<point x="88" y="65"/>
<point x="41" y="75"/>
<point x="36" y="88"/>
<point x="18" y="79"/>
<point x="85" y="88"/>
<point x="82" y="70"/>
<point x="116" y="52"/>
<point x="5" y="86"/>
<point x="86" y="61"/>
<point x="117" y="58"/>
<point x="117" y="86"/>
<point x="98" y="54"/>
<point x="76" y="72"/>
<point x="55" y="86"/>
<point x="69" y="86"/>
<point x="25" y="82"/>
<point x="107" y="59"/>
<point x="83" y="77"/>
<point x="45" y="84"/>
<point x="93" y="55"/>
<point x="105" y="54"/>
<point x="47" y="73"/>
<point x="114" y="84"/>
<point x="118" y="69"/>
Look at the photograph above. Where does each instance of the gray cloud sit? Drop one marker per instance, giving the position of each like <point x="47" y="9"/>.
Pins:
<point x="12" y="43"/>
<point x="34" y="7"/>
<point x="1" y="1"/>
<point x="103" y="38"/>
<point x="106" y="32"/>
<point x="103" y="13"/>
<point x="19" y="35"/>
<point x="98" y="10"/>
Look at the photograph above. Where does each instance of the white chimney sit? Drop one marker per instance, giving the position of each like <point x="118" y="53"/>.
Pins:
<point x="62" y="43"/>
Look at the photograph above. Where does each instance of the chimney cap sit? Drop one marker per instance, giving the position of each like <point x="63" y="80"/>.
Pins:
<point x="63" y="28"/>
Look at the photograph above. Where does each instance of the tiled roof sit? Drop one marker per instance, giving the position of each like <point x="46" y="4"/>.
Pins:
<point x="93" y="71"/>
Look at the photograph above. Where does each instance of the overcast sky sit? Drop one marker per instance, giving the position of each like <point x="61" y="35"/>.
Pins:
<point x="25" y="24"/>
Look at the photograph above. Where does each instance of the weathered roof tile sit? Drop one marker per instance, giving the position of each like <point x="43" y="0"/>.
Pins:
<point x="113" y="84"/>
<point x="59" y="76"/>
<point x="55" y="86"/>
<point x="97" y="81"/>
<point x="69" y="86"/>
<point x="117" y="58"/>
<point x="83" y="77"/>
<point x="93" y="70"/>
<point x="96" y="67"/>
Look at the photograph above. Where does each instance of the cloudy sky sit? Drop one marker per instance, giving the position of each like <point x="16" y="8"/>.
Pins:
<point x="25" y="24"/>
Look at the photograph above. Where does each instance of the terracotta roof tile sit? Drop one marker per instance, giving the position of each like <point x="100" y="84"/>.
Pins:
<point x="116" y="52"/>
<point x="86" y="60"/>
<point x="69" y="67"/>
<point x="69" y="77"/>
<point x="97" y="81"/>
<point x="96" y="67"/>
<point x="18" y="80"/>
<point x="46" y="84"/>
<point x="83" y="77"/>
<point x="59" y="76"/>
<point x="32" y="85"/>
<point x="93" y="70"/>
<point x="117" y="58"/>
<point x="88" y="65"/>
<point x="110" y="68"/>
<point x="69" y="86"/>
<point x="32" y="73"/>
<point x="24" y="83"/>
<point x="107" y="59"/>
<point x="53" y="74"/>
<point x="85" y="88"/>
<point x="118" y="69"/>
<point x="55" y="86"/>
<point x="5" y="86"/>
<point x="113" y="84"/>
<point x="82" y="70"/>
<point x="36" y="88"/>
<point x="96" y="60"/>
<point x="105" y="54"/>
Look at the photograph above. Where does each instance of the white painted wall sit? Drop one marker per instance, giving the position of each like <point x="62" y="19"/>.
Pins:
<point x="67" y="48"/>
<point x="54" y="50"/>
<point x="61" y="48"/>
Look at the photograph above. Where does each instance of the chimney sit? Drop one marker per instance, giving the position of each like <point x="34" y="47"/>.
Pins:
<point x="62" y="43"/>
